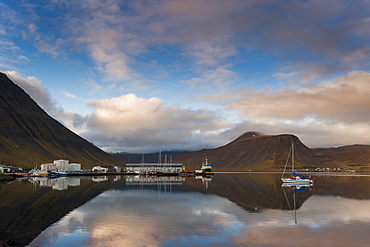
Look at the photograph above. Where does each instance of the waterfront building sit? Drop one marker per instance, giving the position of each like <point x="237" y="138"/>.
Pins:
<point x="48" y="167"/>
<point x="61" y="165"/>
<point x="154" y="167"/>
<point x="110" y="168"/>
<point x="74" y="167"/>
<point x="4" y="169"/>
<point x="8" y="169"/>
<point x="99" y="169"/>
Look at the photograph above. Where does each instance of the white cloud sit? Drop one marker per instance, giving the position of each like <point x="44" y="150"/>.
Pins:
<point x="70" y="95"/>
<point x="342" y="100"/>
<point x="10" y="54"/>
<point x="116" y="34"/>
<point x="126" y="113"/>
<point x="207" y="54"/>
<point x="124" y="39"/>
<point x="112" y="62"/>
<point x="317" y="115"/>
<point x="33" y="86"/>
<point x="332" y="113"/>
<point x="132" y="123"/>
<point x="214" y="78"/>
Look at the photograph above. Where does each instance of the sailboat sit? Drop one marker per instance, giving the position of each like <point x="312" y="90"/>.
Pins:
<point x="295" y="178"/>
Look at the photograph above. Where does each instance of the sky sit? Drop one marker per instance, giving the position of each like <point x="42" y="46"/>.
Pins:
<point x="144" y="75"/>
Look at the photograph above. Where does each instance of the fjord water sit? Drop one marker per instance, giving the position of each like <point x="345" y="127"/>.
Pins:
<point x="228" y="209"/>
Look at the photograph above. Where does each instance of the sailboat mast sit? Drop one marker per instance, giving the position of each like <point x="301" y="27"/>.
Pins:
<point x="292" y="157"/>
<point x="286" y="162"/>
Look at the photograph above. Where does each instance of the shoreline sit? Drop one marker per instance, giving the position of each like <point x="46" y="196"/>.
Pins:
<point x="5" y="178"/>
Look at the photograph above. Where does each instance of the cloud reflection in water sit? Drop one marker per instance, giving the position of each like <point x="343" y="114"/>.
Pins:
<point x="153" y="218"/>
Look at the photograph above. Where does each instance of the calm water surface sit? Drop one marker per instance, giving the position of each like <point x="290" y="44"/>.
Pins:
<point x="223" y="210"/>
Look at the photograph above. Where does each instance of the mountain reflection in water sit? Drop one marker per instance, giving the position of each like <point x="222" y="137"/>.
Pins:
<point x="224" y="210"/>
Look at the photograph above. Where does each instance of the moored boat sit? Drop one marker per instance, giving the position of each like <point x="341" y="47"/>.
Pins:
<point x="295" y="178"/>
<point x="58" y="173"/>
<point x="205" y="169"/>
<point x="38" y="173"/>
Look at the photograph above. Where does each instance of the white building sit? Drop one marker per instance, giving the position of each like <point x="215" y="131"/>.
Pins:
<point x="155" y="167"/>
<point x="74" y="167"/>
<point x="4" y="169"/>
<point x="48" y="167"/>
<point x="7" y="169"/>
<point x="61" y="164"/>
<point x="117" y="169"/>
<point x="99" y="169"/>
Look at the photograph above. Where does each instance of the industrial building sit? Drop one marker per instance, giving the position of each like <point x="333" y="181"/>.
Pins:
<point x="154" y="167"/>
<point x="61" y="165"/>
<point x="111" y="168"/>
<point x="8" y="169"/>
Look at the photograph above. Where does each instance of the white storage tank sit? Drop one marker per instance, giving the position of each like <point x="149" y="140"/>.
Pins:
<point x="48" y="167"/>
<point x="61" y="164"/>
<point x="74" y="167"/>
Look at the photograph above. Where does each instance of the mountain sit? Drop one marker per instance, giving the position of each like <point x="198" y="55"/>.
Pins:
<point x="148" y="157"/>
<point x="353" y="155"/>
<point x="256" y="152"/>
<point x="30" y="137"/>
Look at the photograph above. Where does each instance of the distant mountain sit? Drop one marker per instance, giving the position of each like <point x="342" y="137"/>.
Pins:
<point x="255" y="152"/>
<point x="166" y="156"/>
<point x="353" y="155"/>
<point x="30" y="137"/>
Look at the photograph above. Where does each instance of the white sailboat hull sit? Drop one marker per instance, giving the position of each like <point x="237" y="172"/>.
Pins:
<point x="297" y="180"/>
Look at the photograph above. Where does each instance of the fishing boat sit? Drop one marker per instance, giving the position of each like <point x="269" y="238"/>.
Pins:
<point x="205" y="169"/>
<point x="295" y="178"/>
<point x="58" y="173"/>
<point x="38" y="173"/>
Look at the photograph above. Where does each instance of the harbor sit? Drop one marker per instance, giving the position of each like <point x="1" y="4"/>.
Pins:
<point x="62" y="168"/>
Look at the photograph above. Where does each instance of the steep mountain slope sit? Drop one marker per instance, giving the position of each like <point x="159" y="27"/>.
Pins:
<point x="29" y="136"/>
<point x="353" y="155"/>
<point x="256" y="153"/>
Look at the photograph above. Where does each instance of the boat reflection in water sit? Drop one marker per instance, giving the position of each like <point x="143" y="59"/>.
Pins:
<point x="206" y="179"/>
<point x="294" y="188"/>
